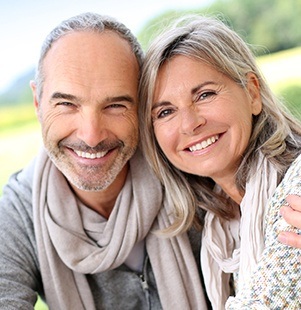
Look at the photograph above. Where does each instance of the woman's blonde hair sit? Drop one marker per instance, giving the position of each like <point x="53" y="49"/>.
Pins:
<point x="275" y="132"/>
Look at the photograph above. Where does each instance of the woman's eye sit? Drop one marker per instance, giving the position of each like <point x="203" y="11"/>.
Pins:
<point x="206" y="95"/>
<point x="164" y="113"/>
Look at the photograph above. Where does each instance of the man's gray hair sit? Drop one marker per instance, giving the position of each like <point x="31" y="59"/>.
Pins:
<point x="85" y="22"/>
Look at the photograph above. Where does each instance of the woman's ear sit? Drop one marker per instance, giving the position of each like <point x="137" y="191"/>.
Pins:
<point x="253" y="87"/>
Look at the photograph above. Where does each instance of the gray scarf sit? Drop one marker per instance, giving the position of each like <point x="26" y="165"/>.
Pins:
<point x="72" y="240"/>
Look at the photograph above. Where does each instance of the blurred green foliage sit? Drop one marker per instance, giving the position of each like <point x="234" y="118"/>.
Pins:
<point x="271" y="25"/>
<point x="274" y="24"/>
<point x="40" y="305"/>
<point x="291" y="92"/>
<point x="19" y="92"/>
<point x="15" y="116"/>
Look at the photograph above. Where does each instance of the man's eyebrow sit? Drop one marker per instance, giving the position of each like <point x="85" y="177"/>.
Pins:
<point x="59" y="95"/>
<point x="110" y="99"/>
<point x="123" y="98"/>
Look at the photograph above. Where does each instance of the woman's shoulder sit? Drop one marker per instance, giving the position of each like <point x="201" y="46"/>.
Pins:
<point x="292" y="178"/>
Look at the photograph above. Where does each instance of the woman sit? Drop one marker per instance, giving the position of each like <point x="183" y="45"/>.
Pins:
<point x="216" y="136"/>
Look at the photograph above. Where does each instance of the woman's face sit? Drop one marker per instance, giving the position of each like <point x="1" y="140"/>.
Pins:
<point x="202" y="119"/>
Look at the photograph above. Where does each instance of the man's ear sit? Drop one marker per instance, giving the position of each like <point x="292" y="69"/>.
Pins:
<point x="253" y="87"/>
<point x="33" y="87"/>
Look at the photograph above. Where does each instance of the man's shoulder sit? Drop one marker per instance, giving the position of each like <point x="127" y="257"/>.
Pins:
<point x="17" y="193"/>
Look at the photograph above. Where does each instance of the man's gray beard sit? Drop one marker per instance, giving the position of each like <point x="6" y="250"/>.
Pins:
<point x="104" y="182"/>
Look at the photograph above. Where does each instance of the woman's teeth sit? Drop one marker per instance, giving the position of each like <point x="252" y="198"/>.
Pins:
<point x="204" y="144"/>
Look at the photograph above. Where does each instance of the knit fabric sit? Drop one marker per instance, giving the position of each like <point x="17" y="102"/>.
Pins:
<point x="276" y="281"/>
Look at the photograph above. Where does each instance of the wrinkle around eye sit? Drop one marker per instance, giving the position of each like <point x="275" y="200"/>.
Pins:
<point x="65" y="103"/>
<point x="116" y="106"/>
<point x="206" y="96"/>
<point x="162" y="114"/>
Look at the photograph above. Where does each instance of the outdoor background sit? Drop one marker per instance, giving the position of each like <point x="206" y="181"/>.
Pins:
<point x="272" y="27"/>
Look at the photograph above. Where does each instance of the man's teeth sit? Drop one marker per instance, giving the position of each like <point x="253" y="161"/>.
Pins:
<point x="90" y="155"/>
<point x="203" y="144"/>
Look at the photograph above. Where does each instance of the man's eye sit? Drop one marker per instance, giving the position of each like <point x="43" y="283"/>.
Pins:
<point x="116" y="109"/>
<point x="66" y="104"/>
<point x="116" y="106"/>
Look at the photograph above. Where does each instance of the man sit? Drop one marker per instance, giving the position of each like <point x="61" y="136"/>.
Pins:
<point x="77" y="226"/>
<point x="291" y="214"/>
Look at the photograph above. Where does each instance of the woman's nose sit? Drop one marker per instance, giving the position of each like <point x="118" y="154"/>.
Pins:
<point x="191" y="120"/>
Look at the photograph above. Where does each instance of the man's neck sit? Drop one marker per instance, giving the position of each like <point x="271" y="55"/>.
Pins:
<point x="103" y="201"/>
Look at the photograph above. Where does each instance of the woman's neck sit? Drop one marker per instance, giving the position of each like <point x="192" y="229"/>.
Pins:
<point x="230" y="188"/>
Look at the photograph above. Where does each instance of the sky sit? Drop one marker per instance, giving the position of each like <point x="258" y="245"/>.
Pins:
<point x="25" y="23"/>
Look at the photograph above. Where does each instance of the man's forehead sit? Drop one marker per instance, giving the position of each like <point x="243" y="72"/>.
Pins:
<point x="91" y="64"/>
<point x="107" y="46"/>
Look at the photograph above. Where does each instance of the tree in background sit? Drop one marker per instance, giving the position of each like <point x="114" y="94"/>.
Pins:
<point x="268" y="25"/>
<point x="273" y="25"/>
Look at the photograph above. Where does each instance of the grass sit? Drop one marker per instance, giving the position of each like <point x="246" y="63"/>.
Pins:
<point x="15" y="116"/>
<point x="40" y="305"/>
<point x="17" y="147"/>
<point x="20" y="136"/>
<point x="282" y="67"/>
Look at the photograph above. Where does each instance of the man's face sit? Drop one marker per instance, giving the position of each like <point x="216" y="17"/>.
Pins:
<point x="88" y="107"/>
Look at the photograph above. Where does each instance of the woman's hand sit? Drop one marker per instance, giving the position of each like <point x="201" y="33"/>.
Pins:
<point x="292" y="215"/>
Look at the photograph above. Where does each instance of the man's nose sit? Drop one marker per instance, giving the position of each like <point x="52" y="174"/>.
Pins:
<point x="92" y="128"/>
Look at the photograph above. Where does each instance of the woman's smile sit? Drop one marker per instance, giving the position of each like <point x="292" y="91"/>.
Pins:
<point x="202" y="119"/>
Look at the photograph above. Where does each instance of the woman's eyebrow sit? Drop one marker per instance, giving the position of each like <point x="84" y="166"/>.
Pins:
<point x="160" y="104"/>
<point x="194" y="90"/>
<point x="198" y="87"/>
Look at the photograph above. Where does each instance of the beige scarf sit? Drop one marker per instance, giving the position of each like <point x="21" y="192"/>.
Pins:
<point x="73" y="242"/>
<point x="233" y="246"/>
